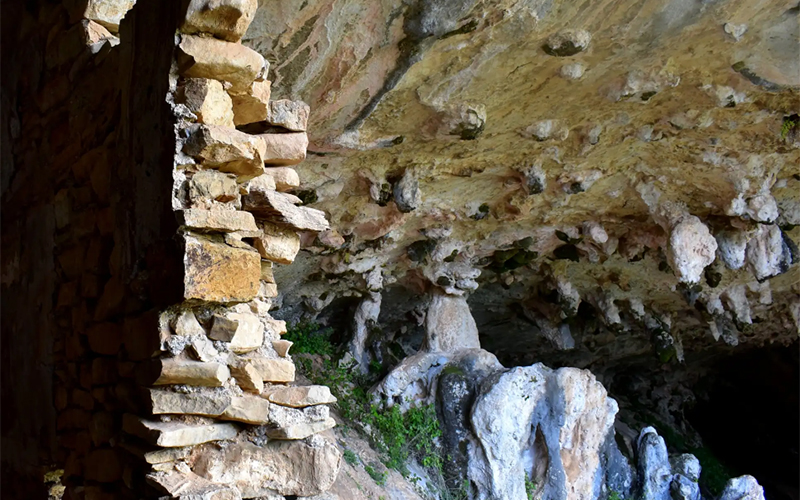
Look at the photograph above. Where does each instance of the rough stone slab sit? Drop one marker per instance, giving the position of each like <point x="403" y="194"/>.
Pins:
<point x="277" y="244"/>
<point x="225" y="19"/>
<point x="291" y="115"/>
<point x="286" y="178"/>
<point x="247" y="377"/>
<point x="249" y="409"/>
<point x="175" y="434"/>
<point x="208" y="185"/>
<point x="266" y="271"/>
<point x="189" y="486"/>
<point x="181" y="371"/>
<point x="109" y="13"/>
<point x="253" y="105"/>
<point x="279" y="209"/>
<point x="197" y="403"/>
<point x="300" y="396"/>
<point x="282" y="347"/>
<point x="157" y="455"/>
<point x="216" y="272"/>
<point x="218" y="220"/>
<point x="302" y="468"/>
<point x="274" y="370"/>
<point x="208" y="100"/>
<point x="202" y="57"/>
<point x="276" y="326"/>
<point x="301" y="430"/>
<point x="226" y="149"/>
<point x="243" y="331"/>
<point x="285" y="149"/>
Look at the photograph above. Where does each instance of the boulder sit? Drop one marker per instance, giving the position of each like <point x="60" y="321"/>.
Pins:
<point x="208" y="100"/>
<point x="226" y="149"/>
<point x="216" y="272"/>
<point x="742" y="488"/>
<point x="203" y="57"/>
<point x="285" y="149"/>
<point x="449" y="324"/>
<point x="252" y="106"/>
<point x="175" y="434"/>
<point x="291" y="115"/>
<point x="279" y="209"/>
<point x="655" y="472"/>
<point x="300" y="396"/>
<point x="303" y="468"/>
<point x="561" y="419"/>
<point x="225" y="19"/>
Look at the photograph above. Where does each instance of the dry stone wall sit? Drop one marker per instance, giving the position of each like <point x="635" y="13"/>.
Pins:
<point x="140" y="232"/>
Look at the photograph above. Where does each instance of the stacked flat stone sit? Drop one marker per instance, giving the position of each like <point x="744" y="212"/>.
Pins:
<point x="222" y="372"/>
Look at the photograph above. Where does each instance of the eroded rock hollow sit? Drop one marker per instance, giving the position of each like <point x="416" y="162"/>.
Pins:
<point x="401" y="249"/>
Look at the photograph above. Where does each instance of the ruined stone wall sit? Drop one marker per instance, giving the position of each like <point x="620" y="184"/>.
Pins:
<point x="140" y="228"/>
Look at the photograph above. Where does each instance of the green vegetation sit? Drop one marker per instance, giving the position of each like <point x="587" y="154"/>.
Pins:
<point x="397" y="436"/>
<point x="350" y="457"/>
<point x="309" y="338"/>
<point x="790" y="124"/>
<point x="378" y="477"/>
<point x="530" y="488"/>
<point x="614" y="496"/>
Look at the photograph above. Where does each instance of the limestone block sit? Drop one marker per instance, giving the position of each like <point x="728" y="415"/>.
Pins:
<point x="267" y="290"/>
<point x="277" y="244"/>
<point x="299" y="397"/>
<point x="300" y="430"/>
<point x="279" y="209"/>
<point x="109" y="13"/>
<point x="103" y="465"/>
<point x="274" y="370"/>
<point x="105" y="338"/>
<point x="226" y="150"/>
<point x="186" y="325"/>
<point x="246" y="375"/>
<point x="219" y="273"/>
<point x="174" y="434"/>
<point x="202" y="57"/>
<point x="243" y="331"/>
<point x="276" y="327"/>
<point x="154" y="455"/>
<point x="302" y="468"/>
<point x="203" y="349"/>
<point x="225" y="19"/>
<point x="282" y="347"/>
<point x="189" y="486"/>
<point x="208" y="100"/>
<point x="217" y="220"/>
<point x="285" y="178"/>
<point x="266" y="272"/>
<point x="212" y="185"/>
<point x="285" y="149"/>
<point x="691" y="248"/>
<point x="291" y="115"/>
<point x="209" y="403"/>
<point x="248" y="409"/>
<point x="253" y="105"/>
<point x="449" y="324"/>
<point x="181" y="371"/>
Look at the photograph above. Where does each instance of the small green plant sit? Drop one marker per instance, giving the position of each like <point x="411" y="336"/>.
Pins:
<point x="530" y="488"/>
<point x="790" y="123"/>
<point x="310" y="338"/>
<point x="614" y="495"/>
<point x="378" y="477"/>
<point x="350" y="457"/>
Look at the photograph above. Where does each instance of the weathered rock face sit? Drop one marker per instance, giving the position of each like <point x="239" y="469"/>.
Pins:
<point x="516" y="147"/>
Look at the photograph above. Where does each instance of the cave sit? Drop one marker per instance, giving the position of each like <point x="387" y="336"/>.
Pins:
<point x="400" y="250"/>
